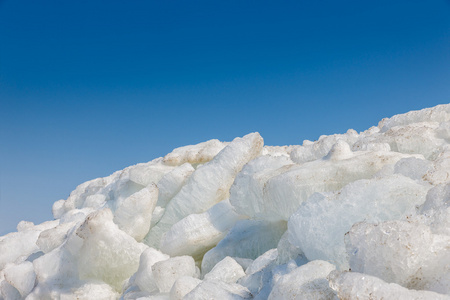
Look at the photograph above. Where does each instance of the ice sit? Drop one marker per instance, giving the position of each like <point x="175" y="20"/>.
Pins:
<point x="108" y="190"/>
<point x="133" y="214"/>
<point x="107" y="253"/>
<point x="183" y="286"/>
<point x="285" y="192"/>
<point x="319" y="225"/>
<point x="58" y="208"/>
<point x="172" y="182"/>
<point x="277" y="150"/>
<point x="424" y="138"/>
<point x="166" y="272"/>
<point x="197" y="233"/>
<point x="352" y="285"/>
<point x="286" y="251"/>
<point x="350" y="216"/>
<point x="195" y="154"/>
<point x="437" y="197"/>
<point x="415" y="138"/>
<point x="265" y="272"/>
<point x="247" y="239"/>
<point x="412" y="167"/>
<point x="208" y="185"/>
<point x="57" y="271"/>
<point x="212" y="289"/>
<point x="95" y="201"/>
<point x="311" y="151"/>
<point x="152" y="172"/>
<point x="439" y="113"/>
<point x="262" y="261"/>
<point x="247" y="192"/>
<point x="17" y="246"/>
<point x="259" y="274"/>
<point x="227" y="270"/>
<point x="8" y="291"/>
<point x="440" y="170"/>
<point x="78" y="196"/>
<point x="88" y="291"/>
<point x="309" y="281"/>
<point x="21" y="276"/>
<point x="157" y="214"/>
<point x="144" y="278"/>
<point x="52" y="238"/>
<point x="402" y="252"/>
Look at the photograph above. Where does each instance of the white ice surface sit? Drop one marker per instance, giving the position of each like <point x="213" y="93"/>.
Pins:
<point x="182" y="286"/>
<point x="197" y="233"/>
<point x="353" y="285"/>
<point x="144" y="278"/>
<point x="308" y="281"/>
<point x="247" y="239"/>
<point x="208" y="185"/>
<point x="320" y="223"/>
<point x="166" y="272"/>
<point x="240" y="220"/>
<point x="227" y="270"/>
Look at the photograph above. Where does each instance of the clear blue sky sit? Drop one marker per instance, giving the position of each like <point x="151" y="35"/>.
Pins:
<point x="90" y="87"/>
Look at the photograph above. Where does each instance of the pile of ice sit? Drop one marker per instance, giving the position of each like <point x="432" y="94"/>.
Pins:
<point x="350" y="216"/>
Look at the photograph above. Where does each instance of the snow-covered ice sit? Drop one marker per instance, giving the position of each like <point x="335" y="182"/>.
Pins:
<point x="349" y="216"/>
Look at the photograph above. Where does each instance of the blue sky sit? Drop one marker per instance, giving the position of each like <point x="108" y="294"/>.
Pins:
<point x="88" y="88"/>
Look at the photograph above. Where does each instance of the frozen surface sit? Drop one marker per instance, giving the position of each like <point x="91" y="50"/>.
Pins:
<point x="208" y="185"/>
<point x="171" y="183"/>
<point x="144" y="278"/>
<point x="183" y="286"/>
<point x="247" y="239"/>
<point x="197" y="233"/>
<point x="212" y="289"/>
<point x="227" y="270"/>
<point x="353" y="285"/>
<point x="107" y="253"/>
<point x="309" y="281"/>
<point x="21" y="276"/>
<point x="320" y="222"/>
<point x="134" y="213"/>
<point x="195" y="154"/>
<point x="166" y="272"/>
<point x="350" y="216"/>
<point x="406" y="252"/>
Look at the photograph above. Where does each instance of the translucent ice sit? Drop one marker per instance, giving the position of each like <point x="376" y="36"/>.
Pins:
<point x="212" y="289"/>
<point x="209" y="184"/>
<point x="171" y="183"/>
<point x="352" y="285"/>
<point x="195" y="154"/>
<point x="144" y="278"/>
<point x="285" y="192"/>
<point x="197" y="233"/>
<point x="227" y="270"/>
<point x="166" y="272"/>
<point x="183" y="286"/>
<point x="241" y="220"/>
<point x="21" y="276"/>
<point x="309" y="281"/>
<point x="311" y="151"/>
<point x="16" y="246"/>
<point x="107" y="253"/>
<point x="247" y="192"/>
<point x="319" y="225"/>
<point x="247" y="239"/>
<point x="403" y="252"/>
<point x="134" y="213"/>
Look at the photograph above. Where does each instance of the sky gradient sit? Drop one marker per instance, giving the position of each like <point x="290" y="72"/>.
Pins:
<point x="88" y="88"/>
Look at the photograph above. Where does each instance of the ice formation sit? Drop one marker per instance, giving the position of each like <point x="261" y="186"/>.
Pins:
<point x="349" y="216"/>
